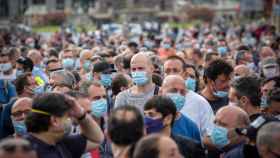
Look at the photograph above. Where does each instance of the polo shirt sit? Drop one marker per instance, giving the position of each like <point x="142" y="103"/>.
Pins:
<point x="72" y="146"/>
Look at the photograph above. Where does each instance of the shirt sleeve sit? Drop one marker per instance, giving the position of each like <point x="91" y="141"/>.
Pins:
<point x="76" y="145"/>
<point x="120" y="100"/>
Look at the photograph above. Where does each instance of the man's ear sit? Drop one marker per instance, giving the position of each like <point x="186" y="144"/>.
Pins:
<point x="167" y="120"/>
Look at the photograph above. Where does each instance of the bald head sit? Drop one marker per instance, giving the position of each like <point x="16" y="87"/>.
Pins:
<point x="231" y="117"/>
<point x="173" y="83"/>
<point x="21" y="106"/>
<point x="141" y="57"/>
<point x="268" y="139"/>
<point x="141" y="62"/>
<point x="241" y="70"/>
<point x="266" y="52"/>
<point x="35" y="56"/>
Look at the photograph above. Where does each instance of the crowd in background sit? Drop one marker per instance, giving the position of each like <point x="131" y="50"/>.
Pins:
<point x="208" y="91"/>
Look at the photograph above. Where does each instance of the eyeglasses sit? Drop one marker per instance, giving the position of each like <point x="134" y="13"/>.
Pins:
<point x="20" y="113"/>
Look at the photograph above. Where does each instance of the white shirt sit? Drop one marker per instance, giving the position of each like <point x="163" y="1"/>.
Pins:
<point x="199" y="110"/>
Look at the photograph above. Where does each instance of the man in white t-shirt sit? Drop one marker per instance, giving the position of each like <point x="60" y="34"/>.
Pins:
<point x="196" y="107"/>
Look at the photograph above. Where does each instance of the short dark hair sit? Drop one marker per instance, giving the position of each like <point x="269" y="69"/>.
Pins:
<point x="274" y="95"/>
<point x="275" y="79"/>
<point x="216" y="68"/>
<point x="119" y="80"/>
<point x="123" y="130"/>
<point x="243" y="48"/>
<point x="163" y="105"/>
<point x="175" y="57"/>
<point x="209" y="56"/>
<point x="55" y="104"/>
<point x="148" y="147"/>
<point x="21" y="82"/>
<point x="249" y="87"/>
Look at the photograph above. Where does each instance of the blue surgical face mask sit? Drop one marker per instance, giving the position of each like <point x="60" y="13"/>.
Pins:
<point x="139" y="78"/>
<point x="219" y="136"/>
<point x="220" y="94"/>
<point x="68" y="63"/>
<point x="20" y="127"/>
<point x="190" y="83"/>
<point x="264" y="102"/>
<point x="99" y="107"/>
<point x="6" y="67"/>
<point x="153" y="125"/>
<point x="222" y="50"/>
<point x="106" y="80"/>
<point x="19" y="72"/>
<point x="178" y="100"/>
<point x="87" y="65"/>
<point x="166" y="46"/>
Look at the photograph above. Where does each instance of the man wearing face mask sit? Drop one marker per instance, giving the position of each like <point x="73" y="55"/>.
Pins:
<point x="102" y="72"/>
<point x="217" y="77"/>
<point x="173" y="87"/>
<point x="269" y="68"/>
<point x="23" y="65"/>
<point x="85" y="62"/>
<point x="160" y="113"/>
<point x="67" y="59"/>
<point x="226" y="120"/>
<point x="196" y="107"/>
<point x="49" y="126"/>
<point x="267" y="86"/>
<point x="25" y="87"/>
<point x="245" y="92"/>
<point x="273" y="103"/>
<point x="38" y="71"/>
<point x="166" y="49"/>
<point x="18" y="113"/>
<point x="141" y="72"/>
<point x="7" y="90"/>
<point x="6" y="67"/>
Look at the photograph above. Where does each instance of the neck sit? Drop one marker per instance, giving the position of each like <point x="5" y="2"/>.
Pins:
<point x="145" y="88"/>
<point x="45" y="137"/>
<point x="166" y="131"/>
<point x="252" y="110"/>
<point x="207" y="93"/>
<point x="119" y="151"/>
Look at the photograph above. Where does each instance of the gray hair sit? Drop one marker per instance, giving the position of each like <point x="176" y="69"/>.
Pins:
<point x="67" y="77"/>
<point x="267" y="134"/>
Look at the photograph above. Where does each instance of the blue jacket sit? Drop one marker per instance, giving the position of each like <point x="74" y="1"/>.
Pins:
<point x="7" y="91"/>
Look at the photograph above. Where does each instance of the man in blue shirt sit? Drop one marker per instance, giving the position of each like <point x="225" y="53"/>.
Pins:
<point x="173" y="86"/>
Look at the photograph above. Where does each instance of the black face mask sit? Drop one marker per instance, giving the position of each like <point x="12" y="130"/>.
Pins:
<point x="125" y="133"/>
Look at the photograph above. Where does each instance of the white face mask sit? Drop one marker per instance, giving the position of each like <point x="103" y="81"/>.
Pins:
<point x="5" y="67"/>
<point x="270" y="72"/>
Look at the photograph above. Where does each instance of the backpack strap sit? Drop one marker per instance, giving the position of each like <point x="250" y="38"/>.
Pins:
<point x="156" y="90"/>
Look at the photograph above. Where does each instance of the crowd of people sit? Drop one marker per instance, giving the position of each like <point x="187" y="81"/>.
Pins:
<point x="210" y="91"/>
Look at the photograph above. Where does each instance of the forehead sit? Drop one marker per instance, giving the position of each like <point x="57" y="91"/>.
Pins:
<point x="269" y="85"/>
<point x="23" y="105"/>
<point x="173" y="64"/>
<point x="223" y="77"/>
<point x="97" y="90"/>
<point x="4" y="58"/>
<point x="141" y="61"/>
<point x="178" y="84"/>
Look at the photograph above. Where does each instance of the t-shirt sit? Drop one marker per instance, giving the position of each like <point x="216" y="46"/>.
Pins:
<point x="138" y="100"/>
<point x="7" y="91"/>
<point x="69" y="147"/>
<point x="199" y="111"/>
<point x="186" y="127"/>
<point x="218" y="103"/>
<point x="189" y="148"/>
